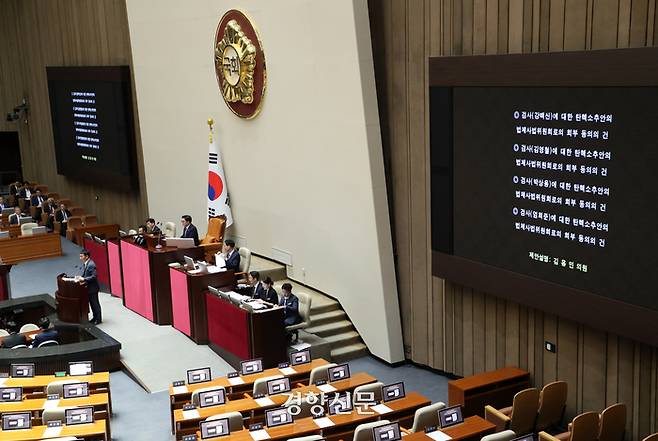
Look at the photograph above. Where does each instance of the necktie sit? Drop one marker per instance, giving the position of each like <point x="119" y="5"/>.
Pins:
<point x="64" y="214"/>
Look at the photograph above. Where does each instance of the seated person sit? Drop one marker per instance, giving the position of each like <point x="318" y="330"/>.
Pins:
<point x="152" y="227"/>
<point x="14" y="338"/>
<point x="290" y="302"/>
<point x="268" y="293"/>
<point x="231" y="255"/>
<point x="255" y="288"/>
<point x="47" y="333"/>
<point x="49" y="209"/>
<point x="63" y="216"/>
<point x="25" y="192"/>
<point x="3" y="204"/>
<point x="15" y="217"/>
<point x="38" y="199"/>
<point x="140" y="239"/>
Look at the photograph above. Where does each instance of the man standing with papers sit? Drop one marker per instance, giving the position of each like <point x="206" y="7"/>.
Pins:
<point x="89" y="278"/>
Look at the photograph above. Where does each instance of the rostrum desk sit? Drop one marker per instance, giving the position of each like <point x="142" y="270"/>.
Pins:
<point x="146" y="282"/>
<point x="237" y="334"/>
<point x="188" y="300"/>
<point x="72" y="301"/>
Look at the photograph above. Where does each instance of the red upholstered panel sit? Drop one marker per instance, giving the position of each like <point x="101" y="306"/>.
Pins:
<point x="114" y="260"/>
<point x="228" y="326"/>
<point x="98" y="254"/>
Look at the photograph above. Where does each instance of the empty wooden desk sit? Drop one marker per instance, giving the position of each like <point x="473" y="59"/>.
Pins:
<point x="341" y="425"/>
<point x="472" y="429"/>
<point x="21" y="248"/>
<point x="186" y="422"/>
<point x="36" y="406"/>
<point x="89" y="432"/>
<point x="496" y="388"/>
<point x="98" y="382"/>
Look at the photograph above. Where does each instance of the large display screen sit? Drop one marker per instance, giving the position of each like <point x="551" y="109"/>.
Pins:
<point x="92" y="119"/>
<point x="560" y="184"/>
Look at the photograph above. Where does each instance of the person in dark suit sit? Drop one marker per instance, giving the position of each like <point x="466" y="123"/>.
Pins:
<point x="3" y="204"/>
<point x="14" y="338"/>
<point x="290" y="302"/>
<point x="152" y="227"/>
<point x="49" y="209"/>
<point x="15" y="217"/>
<point x="140" y="239"/>
<point x="47" y="333"/>
<point x="231" y="255"/>
<point x="189" y="230"/>
<point x="25" y="192"/>
<point x="63" y="216"/>
<point x="89" y="278"/>
<point x="13" y="188"/>
<point x="255" y="288"/>
<point x="269" y="293"/>
<point x="38" y="201"/>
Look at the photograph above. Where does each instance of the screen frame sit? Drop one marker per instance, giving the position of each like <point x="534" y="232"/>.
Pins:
<point x="20" y="394"/>
<point x="243" y="362"/>
<point x="278" y="409"/>
<point x="66" y="415"/>
<point x="29" y="419"/>
<point x="309" y="360"/>
<point x="91" y="363"/>
<point x="601" y="68"/>
<point x="218" y="389"/>
<point x="228" y="428"/>
<point x="14" y="366"/>
<point x="445" y="409"/>
<point x="377" y="429"/>
<point x="187" y="374"/>
<point x="66" y="386"/>
<point x="273" y="380"/>
<point x="399" y="383"/>
<point x="119" y="74"/>
<point x="332" y="368"/>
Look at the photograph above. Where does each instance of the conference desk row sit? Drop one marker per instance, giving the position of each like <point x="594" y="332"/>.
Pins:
<point x="21" y="248"/>
<point x="148" y="284"/>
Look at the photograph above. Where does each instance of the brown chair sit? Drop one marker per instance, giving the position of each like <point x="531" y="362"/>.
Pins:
<point x="43" y="188"/>
<point x="73" y="223"/>
<point x="90" y="219"/>
<point x="214" y="239"/>
<point x="77" y="211"/>
<point x="585" y="427"/>
<point x="612" y="424"/>
<point x="65" y="201"/>
<point x="55" y="196"/>
<point x="520" y="417"/>
<point x="653" y="437"/>
<point x="552" y="403"/>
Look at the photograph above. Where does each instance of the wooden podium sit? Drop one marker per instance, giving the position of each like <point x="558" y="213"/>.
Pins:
<point x="72" y="301"/>
<point x="5" y="290"/>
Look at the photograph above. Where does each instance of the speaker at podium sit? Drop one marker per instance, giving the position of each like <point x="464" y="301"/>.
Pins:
<point x="72" y="300"/>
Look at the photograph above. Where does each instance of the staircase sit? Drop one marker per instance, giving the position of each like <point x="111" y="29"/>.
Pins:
<point x="328" y="320"/>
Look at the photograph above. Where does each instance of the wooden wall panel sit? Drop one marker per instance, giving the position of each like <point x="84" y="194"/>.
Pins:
<point x="467" y="331"/>
<point x="36" y="34"/>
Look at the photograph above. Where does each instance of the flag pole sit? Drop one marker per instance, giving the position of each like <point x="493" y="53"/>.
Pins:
<point x="210" y="124"/>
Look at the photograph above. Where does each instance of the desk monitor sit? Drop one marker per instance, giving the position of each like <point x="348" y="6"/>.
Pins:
<point x="4" y="234"/>
<point x="300" y="357"/>
<point x="189" y="262"/>
<point x="76" y="390"/>
<point x="393" y="391"/>
<point x="200" y="375"/>
<point x="388" y="432"/>
<point x="339" y="372"/>
<point x="213" y="397"/>
<point x="248" y="367"/>
<point x="278" y="386"/>
<point x="79" y="415"/>
<point x="11" y="394"/>
<point x="39" y="230"/>
<point x="81" y="368"/>
<point x="340" y="403"/>
<point x="450" y="416"/>
<point x="22" y="370"/>
<point x="16" y="421"/>
<point x="25" y="220"/>
<point x="528" y="437"/>
<point x="278" y="417"/>
<point x="180" y="242"/>
<point x="214" y="428"/>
